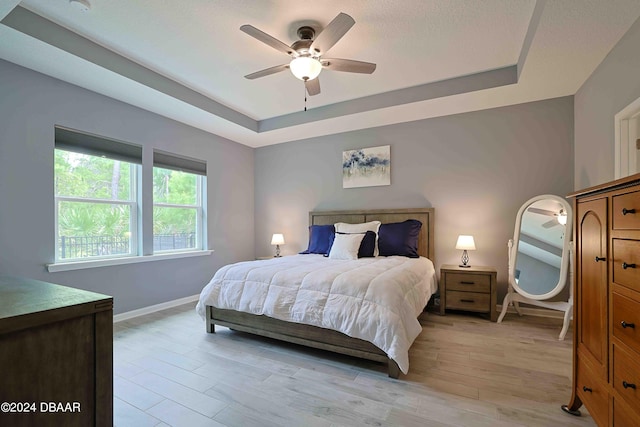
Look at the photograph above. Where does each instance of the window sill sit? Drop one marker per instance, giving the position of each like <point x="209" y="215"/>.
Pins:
<point x="79" y="265"/>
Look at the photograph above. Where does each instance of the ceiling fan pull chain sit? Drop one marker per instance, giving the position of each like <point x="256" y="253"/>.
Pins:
<point x="305" y="97"/>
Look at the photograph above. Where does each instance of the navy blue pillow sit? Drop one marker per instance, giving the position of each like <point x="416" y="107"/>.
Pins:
<point x="368" y="245"/>
<point x="399" y="238"/>
<point x="320" y="239"/>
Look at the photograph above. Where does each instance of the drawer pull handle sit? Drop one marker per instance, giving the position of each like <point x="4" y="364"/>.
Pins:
<point x="598" y="258"/>
<point x="467" y="300"/>
<point x="467" y="283"/>
<point x="628" y="325"/>
<point x="585" y="389"/>
<point x="625" y="265"/>
<point x="628" y="385"/>
<point x="628" y="211"/>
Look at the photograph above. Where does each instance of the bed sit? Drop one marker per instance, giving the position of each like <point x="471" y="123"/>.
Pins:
<point x="323" y="337"/>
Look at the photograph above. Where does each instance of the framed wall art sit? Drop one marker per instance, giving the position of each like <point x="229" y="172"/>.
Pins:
<point x="366" y="167"/>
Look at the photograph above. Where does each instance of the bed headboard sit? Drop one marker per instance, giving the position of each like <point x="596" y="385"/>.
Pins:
<point x="425" y="215"/>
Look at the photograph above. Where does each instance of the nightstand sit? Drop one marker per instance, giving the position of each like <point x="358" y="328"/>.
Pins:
<point x="468" y="289"/>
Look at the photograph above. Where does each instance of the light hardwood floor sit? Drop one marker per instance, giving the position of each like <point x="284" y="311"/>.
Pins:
<point x="465" y="371"/>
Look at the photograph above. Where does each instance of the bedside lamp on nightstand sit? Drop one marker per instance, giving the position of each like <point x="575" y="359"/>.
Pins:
<point x="465" y="243"/>
<point x="277" y="240"/>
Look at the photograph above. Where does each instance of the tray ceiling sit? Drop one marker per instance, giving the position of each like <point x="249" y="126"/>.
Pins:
<point x="186" y="60"/>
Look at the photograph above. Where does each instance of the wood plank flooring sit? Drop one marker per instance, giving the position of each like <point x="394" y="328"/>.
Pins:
<point x="465" y="371"/>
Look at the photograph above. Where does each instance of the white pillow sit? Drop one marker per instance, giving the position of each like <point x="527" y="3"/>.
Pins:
<point x="343" y="227"/>
<point x="346" y="246"/>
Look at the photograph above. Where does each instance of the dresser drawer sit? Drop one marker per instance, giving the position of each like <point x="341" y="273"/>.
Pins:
<point x="626" y="320"/>
<point x="469" y="282"/>
<point x="626" y="376"/>
<point x="469" y="301"/>
<point x="623" y="415"/>
<point x="593" y="393"/>
<point x="628" y="203"/>
<point x="626" y="263"/>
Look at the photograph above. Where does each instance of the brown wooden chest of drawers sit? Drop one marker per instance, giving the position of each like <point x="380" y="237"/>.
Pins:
<point x="607" y="303"/>
<point x="468" y="289"/>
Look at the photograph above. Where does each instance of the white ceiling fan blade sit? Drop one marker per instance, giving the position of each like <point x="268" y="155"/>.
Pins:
<point x="267" y="72"/>
<point x="332" y="33"/>
<point x="542" y="211"/>
<point x="550" y="223"/>
<point x="348" y="65"/>
<point x="313" y="86"/>
<point x="267" y="39"/>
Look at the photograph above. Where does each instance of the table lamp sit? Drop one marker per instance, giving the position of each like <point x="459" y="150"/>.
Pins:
<point x="465" y="243"/>
<point x="277" y="240"/>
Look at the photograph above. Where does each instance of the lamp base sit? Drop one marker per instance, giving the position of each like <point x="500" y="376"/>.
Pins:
<point x="464" y="266"/>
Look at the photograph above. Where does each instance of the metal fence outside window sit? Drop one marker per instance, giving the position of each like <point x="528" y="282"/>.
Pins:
<point x="90" y="246"/>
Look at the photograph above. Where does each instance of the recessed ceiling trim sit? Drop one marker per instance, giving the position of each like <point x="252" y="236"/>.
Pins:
<point x="457" y="85"/>
<point x="531" y="32"/>
<point x="7" y="6"/>
<point x="34" y="25"/>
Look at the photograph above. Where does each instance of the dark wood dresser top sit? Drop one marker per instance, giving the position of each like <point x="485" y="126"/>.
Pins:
<point x="26" y="303"/>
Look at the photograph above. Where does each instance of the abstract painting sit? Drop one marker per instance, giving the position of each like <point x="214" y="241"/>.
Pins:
<point x="366" y="167"/>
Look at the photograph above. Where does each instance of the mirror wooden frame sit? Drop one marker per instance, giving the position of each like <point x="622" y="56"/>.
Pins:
<point x="516" y="294"/>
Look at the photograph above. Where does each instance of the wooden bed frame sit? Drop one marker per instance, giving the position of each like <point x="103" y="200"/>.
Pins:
<point x="316" y="337"/>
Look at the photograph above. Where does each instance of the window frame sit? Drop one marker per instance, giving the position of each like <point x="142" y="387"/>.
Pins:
<point x="141" y="184"/>
<point x="133" y="202"/>
<point x="198" y="207"/>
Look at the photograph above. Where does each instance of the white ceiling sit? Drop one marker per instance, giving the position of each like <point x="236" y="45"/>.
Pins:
<point x="186" y="59"/>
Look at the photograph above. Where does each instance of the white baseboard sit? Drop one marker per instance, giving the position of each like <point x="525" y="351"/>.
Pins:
<point x="529" y="311"/>
<point x="153" y="308"/>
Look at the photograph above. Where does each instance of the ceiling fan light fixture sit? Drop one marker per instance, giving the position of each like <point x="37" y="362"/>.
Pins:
<point x="305" y="67"/>
<point x="562" y="217"/>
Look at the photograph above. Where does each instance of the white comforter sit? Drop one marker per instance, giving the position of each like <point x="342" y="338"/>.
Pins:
<point x="374" y="299"/>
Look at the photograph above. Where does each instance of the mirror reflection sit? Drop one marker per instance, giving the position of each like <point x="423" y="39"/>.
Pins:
<point x="539" y="257"/>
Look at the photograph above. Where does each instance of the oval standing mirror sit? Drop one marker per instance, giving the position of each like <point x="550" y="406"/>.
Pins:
<point x="539" y="256"/>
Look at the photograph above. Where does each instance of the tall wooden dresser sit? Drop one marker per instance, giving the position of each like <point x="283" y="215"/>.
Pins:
<point x="56" y="355"/>
<point x="606" y="345"/>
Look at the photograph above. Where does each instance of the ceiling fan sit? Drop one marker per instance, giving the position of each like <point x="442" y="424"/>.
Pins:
<point x="560" y="216"/>
<point x="307" y="53"/>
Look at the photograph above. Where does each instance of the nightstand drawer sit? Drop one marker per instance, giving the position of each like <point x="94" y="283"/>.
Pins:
<point x="469" y="282"/>
<point x="469" y="301"/>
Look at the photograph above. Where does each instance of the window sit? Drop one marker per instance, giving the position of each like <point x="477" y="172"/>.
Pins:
<point x="95" y="197"/>
<point x="177" y="210"/>
<point x="99" y="208"/>
<point x="178" y="191"/>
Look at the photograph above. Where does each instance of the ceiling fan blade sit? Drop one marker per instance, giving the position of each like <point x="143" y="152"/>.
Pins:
<point x="542" y="211"/>
<point x="348" y="65"/>
<point x="267" y="71"/>
<point x="550" y="223"/>
<point x="267" y="39"/>
<point x="313" y="86"/>
<point x="332" y="33"/>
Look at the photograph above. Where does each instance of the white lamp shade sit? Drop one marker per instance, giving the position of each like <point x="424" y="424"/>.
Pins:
<point x="466" y="243"/>
<point x="277" y="239"/>
<point x="305" y="68"/>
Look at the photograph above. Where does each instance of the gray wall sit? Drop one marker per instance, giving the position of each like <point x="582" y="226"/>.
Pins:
<point x="476" y="170"/>
<point x="30" y="105"/>
<point x="612" y="86"/>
